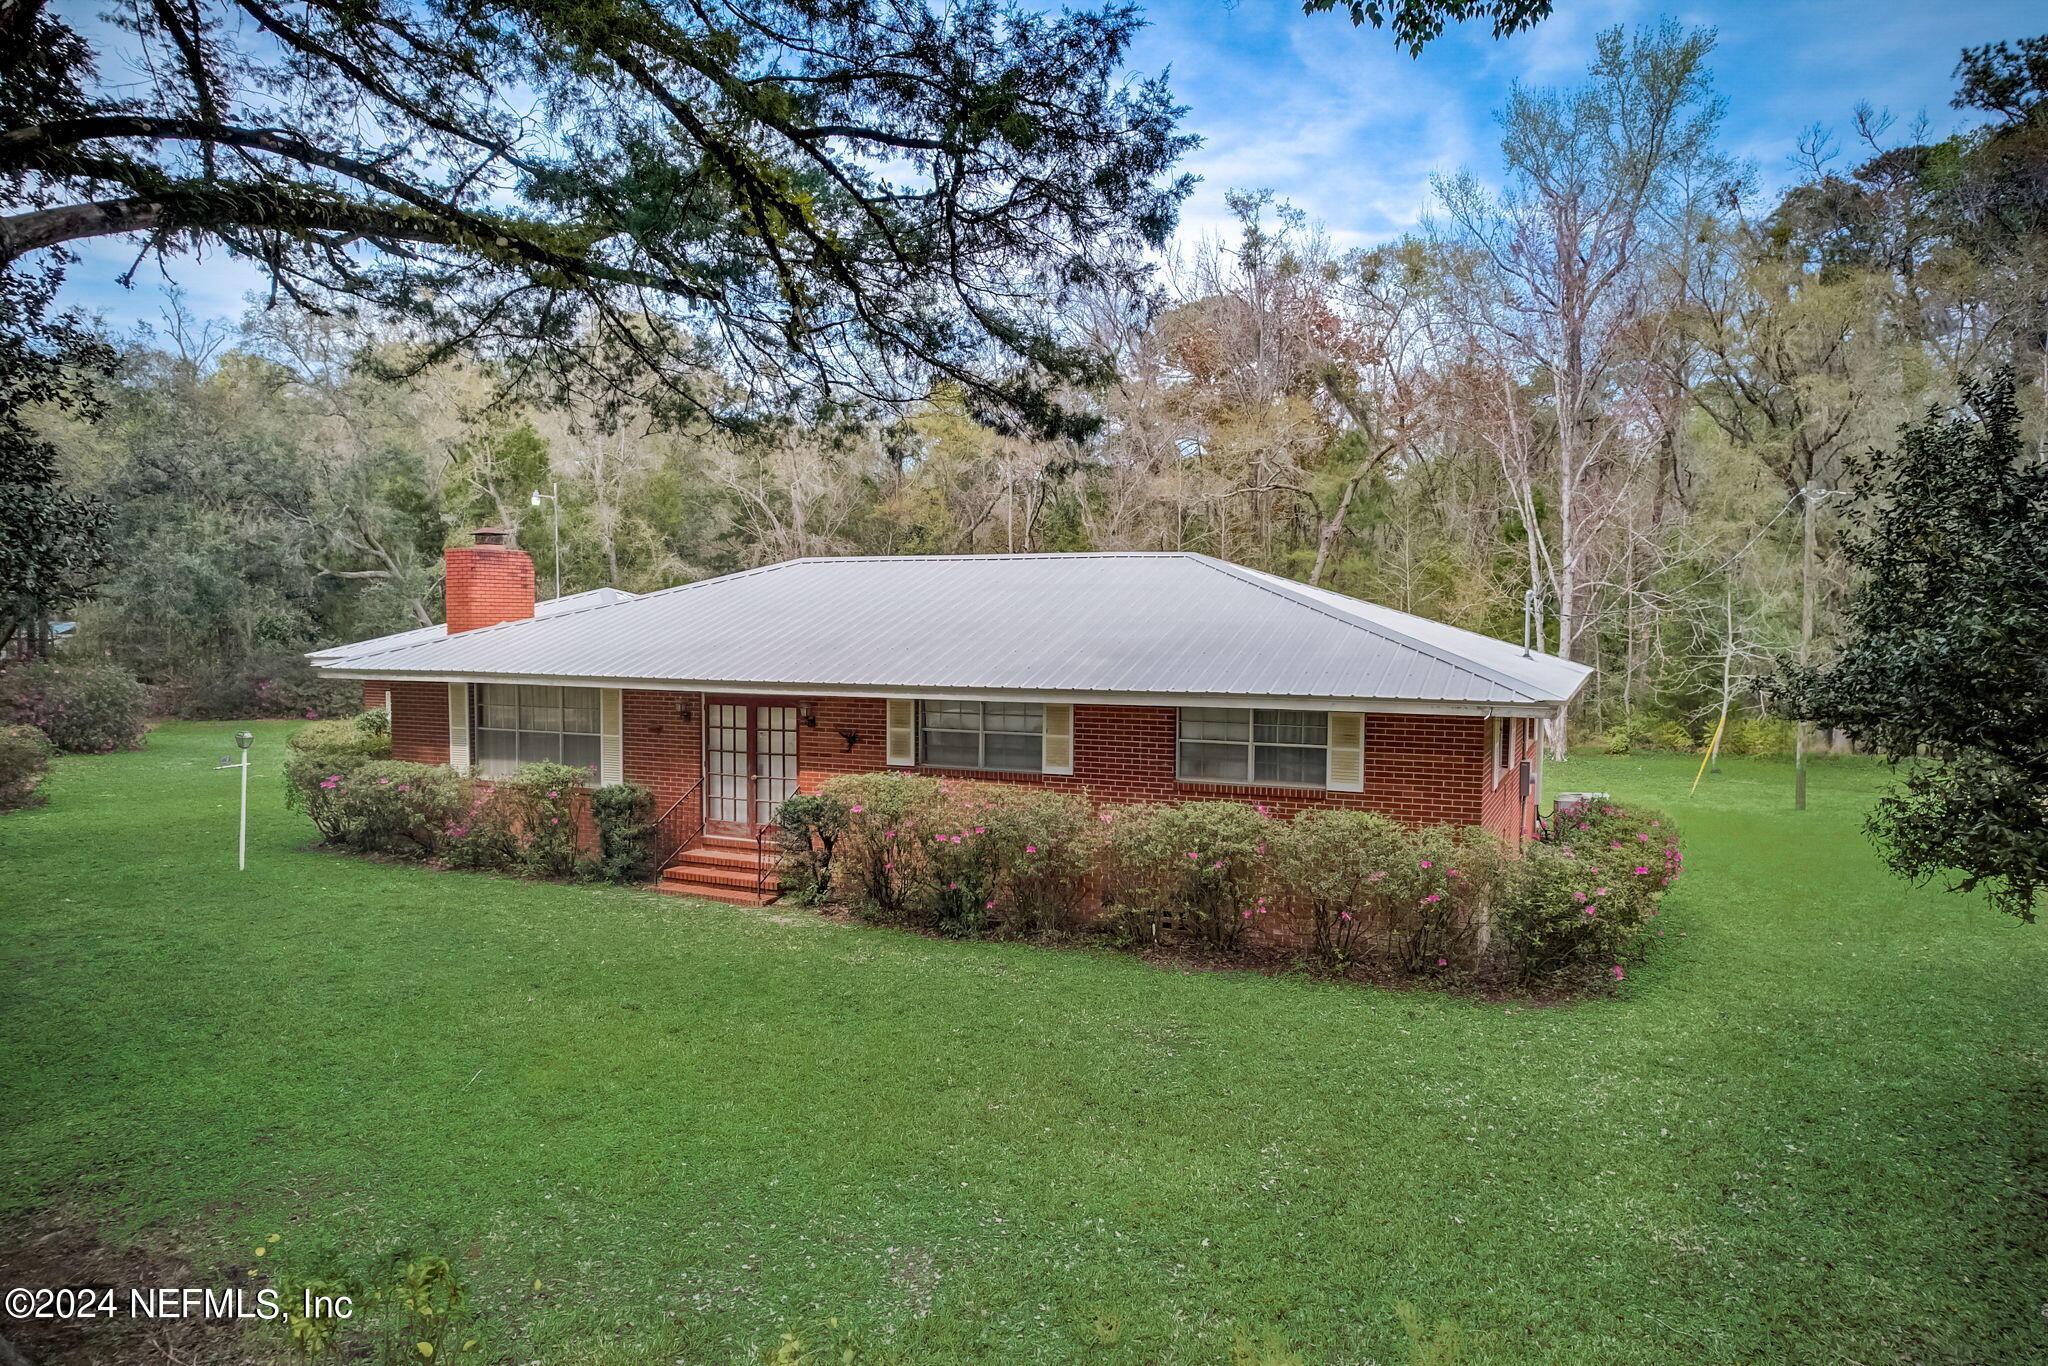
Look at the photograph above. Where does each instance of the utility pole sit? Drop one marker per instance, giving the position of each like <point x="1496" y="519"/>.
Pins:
<point x="1806" y="497"/>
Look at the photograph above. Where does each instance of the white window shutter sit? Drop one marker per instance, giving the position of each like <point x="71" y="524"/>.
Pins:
<point x="902" y="732"/>
<point x="458" y="727"/>
<point x="1347" y="752"/>
<point x="1059" y="738"/>
<point x="611" y="750"/>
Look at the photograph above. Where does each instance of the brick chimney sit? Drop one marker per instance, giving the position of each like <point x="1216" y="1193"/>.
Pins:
<point x="488" y="582"/>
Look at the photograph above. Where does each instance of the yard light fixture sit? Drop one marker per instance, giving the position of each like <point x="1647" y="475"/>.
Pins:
<point x="243" y="739"/>
<point x="554" y="497"/>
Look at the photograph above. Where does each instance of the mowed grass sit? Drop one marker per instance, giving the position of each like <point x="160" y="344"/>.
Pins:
<point x="1809" y="1128"/>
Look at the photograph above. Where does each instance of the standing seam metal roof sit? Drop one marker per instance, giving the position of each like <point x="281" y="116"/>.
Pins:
<point x="1160" y="623"/>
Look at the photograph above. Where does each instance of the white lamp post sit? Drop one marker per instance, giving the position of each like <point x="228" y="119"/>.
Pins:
<point x="243" y="739"/>
<point x="555" y="498"/>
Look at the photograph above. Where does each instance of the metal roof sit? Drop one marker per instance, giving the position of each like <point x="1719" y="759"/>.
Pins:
<point x="1167" y="625"/>
<point x="331" y="655"/>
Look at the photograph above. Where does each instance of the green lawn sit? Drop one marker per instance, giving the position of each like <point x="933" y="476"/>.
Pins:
<point x="1810" y="1129"/>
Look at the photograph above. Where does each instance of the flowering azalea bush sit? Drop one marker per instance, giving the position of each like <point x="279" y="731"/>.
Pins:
<point x="889" y="818"/>
<point x="962" y="858"/>
<point x="1580" y="898"/>
<point x="390" y="806"/>
<point x="1192" y="868"/>
<point x="24" y="758"/>
<point x="1364" y="886"/>
<point x="82" y="708"/>
<point x="542" y="800"/>
<point x="481" y="834"/>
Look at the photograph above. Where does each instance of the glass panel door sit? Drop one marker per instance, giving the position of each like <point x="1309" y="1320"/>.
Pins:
<point x="774" y="760"/>
<point x="725" y="762"/>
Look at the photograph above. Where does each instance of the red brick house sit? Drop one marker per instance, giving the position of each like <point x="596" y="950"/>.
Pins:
<point x="1132" y="677"/>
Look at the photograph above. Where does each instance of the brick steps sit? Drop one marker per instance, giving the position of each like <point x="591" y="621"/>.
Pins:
<point x="722" y="868"/>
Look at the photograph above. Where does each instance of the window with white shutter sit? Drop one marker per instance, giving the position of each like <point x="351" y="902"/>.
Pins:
<point x="458" y="727"/>
<point x="901" y="732"/>
<point x="1347" y="751"/>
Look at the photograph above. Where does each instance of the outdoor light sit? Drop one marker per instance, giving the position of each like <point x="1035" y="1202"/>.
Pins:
<point x="683" y="710"/>
<point x="808" y="714"/>
<point x="243" y="739"/>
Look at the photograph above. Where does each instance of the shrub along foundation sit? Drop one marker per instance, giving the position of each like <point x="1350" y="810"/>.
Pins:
<point x="1346" y="889"/>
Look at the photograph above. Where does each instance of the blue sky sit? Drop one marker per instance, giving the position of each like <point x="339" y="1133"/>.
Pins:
<point x="1349" y="129"/>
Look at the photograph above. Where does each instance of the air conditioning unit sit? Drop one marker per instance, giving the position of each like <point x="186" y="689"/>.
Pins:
<point x="1573" y="803"/>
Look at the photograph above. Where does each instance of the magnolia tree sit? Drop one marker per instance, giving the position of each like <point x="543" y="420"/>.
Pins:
<point x="1947" y="672"/>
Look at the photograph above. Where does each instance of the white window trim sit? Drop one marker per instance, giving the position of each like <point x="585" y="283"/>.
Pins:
<point x="1251" y="745"/>
<point x="924" y="762"/>
<point x="1501" y="746"/>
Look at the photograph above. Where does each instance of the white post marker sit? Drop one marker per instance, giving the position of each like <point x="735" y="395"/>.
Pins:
<point x="243" y="739"/>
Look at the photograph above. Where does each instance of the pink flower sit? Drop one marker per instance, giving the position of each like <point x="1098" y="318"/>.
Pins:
<point x="981" y="830"/>
<point x="1426" y="863"/>
<point x="1443" y="962"/>
<point x="1344" y="915"/>
<point x="1030" y="848"/>
<point x="1578" y="896"/>
<point x="1433" y="896"/>
<point x="856" y="810"/>
<point x="1618" y="973"/>
<point x="554" y="794"/>
<point x="991" y="905"/>
<point x="886" y="834"/>
<point x="1641" y="872"/>
<point x="888" y="865"/>
<point x="554" y="820"/>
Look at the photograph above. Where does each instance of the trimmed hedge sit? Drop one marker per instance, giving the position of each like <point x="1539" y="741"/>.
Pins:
<point x="1342" y="887"/>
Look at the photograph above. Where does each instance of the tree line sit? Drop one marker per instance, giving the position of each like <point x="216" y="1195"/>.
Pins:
<point x="1591" y="404"/>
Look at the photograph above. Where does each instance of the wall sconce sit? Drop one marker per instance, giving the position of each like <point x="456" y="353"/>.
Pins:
<point x="807" y="712"/>
<point x="852" y="738"/>
<point x="683" y="709"/>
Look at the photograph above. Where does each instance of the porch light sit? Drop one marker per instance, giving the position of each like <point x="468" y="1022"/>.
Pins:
<point x="808" y="714"/>
<point x="683" y="709"/>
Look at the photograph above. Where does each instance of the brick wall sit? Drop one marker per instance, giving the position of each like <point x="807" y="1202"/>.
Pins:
<point x="419" y="719"/>
<point x="661" y="749"/>
<point x="487" y="584"/>
<point x="1504" y="811"/>
<point x="1420" y="769"/>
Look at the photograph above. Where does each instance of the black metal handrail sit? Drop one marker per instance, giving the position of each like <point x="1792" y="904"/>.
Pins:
<point x="667" y="841"/>
<point x="761" y="861"/>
